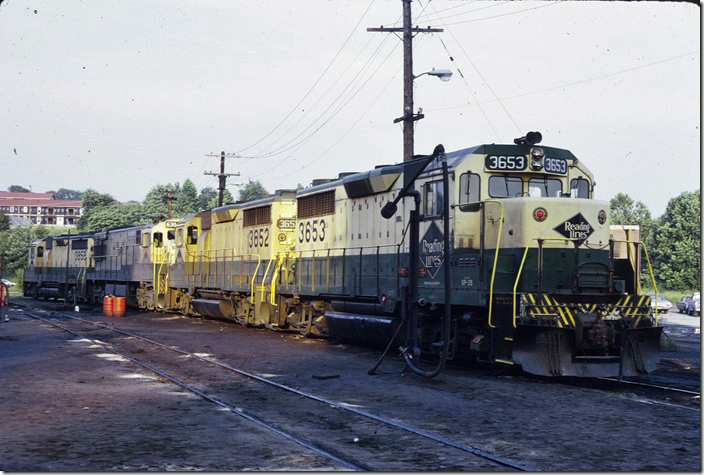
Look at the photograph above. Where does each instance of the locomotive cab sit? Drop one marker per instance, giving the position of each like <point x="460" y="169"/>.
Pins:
<point x="536" y="268"/>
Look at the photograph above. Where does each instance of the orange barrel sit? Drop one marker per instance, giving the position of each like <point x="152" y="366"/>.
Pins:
<point x="107" y="306"/>
<point x="118" y="306"/>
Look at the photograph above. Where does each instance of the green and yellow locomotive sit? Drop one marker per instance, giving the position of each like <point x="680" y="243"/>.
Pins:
<point x="496" y="253"/>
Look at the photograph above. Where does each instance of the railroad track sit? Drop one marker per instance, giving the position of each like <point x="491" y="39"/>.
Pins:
<point x="294" y="418"/>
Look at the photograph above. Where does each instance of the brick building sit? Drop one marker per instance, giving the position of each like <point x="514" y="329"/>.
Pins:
<point x="39" y="208"/>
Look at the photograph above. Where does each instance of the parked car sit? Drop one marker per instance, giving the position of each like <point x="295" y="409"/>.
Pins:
<point x="664" y="305"/>
<point x="683" y="303"/>
<point x="693" y="307"/>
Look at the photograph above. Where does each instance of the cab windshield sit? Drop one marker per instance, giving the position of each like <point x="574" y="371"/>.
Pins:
<point x="505" y="186"/>
<point x="544" y="187"/>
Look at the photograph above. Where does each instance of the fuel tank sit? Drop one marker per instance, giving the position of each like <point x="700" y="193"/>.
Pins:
<point x="214" y="308"/>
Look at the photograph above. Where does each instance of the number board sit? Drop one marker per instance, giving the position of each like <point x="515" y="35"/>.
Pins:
<point x="558" y="166"/>
<point x="286" y="224"/>
<point x="506" y="162"/>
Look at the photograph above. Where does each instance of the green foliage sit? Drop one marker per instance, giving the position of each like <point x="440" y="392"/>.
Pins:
<point x="626" y="211"/>
<point x="206" y="196"/>
<point x="155" y="205"/>
<point x="17" y="189"/>
<point x="67" y="194"/>
<point x="187" y="201"/>
<point x="113" y="216"/>
<point x="4" y="222"/>
<point x="226" y="198"/>
<point x="14" y="247"/>
<point x="92" y="200"/>
<point x="253" y="190"/>
<point x="675" y="243"/>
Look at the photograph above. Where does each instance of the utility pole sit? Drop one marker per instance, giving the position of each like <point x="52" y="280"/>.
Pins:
<point x="169" y="199"/>
<point x="222" y="175"/>
<point x="408" y="116"/>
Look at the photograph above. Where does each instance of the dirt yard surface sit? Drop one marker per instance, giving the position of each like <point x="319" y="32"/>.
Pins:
<point x="70" y="405"/>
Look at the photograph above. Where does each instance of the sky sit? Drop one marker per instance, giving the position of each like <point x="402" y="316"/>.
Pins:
<point x="120" y="96"/>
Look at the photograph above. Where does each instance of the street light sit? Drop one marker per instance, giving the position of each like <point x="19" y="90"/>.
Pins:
<point x="409" y="117"/>
<point x="442" y="74"/>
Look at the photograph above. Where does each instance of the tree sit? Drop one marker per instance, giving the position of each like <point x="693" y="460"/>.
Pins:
<point x="14" y="246"/>
<point x="626" y="211"/>
<point x="92" y="200"/>
<point x="155" y="204"/>
<point x="187" y="202"/>
<point x="17" y="189"/>
<point x="4" y="222"/>
<point x="675" y="243"/>
<point x="113" y="216"/>
<point x="66" y="194"/>
<point x="253" y="190"/>
<point x="205" y="197"/>
<point x="226" y="198"/>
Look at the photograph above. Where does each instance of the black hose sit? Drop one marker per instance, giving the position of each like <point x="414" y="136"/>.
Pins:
<point x="448" y="305"/>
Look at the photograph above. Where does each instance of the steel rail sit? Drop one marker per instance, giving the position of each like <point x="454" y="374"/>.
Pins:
<point x="383" y="420"/>
<point x="232" y="409"/>
<point x="655" y="386"/>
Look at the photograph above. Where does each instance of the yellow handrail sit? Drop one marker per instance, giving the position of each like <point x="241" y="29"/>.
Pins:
<point x="652" y="278"/>
<point x="525" y="254"/>
<point x="496" y="260"/>
<point x="520" y="269"/>
<point x="263" y="285"/>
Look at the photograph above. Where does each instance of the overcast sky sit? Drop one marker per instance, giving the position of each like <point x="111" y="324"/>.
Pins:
<point x="119" y="96"/>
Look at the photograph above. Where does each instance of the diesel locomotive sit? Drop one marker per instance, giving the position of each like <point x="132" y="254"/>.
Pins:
<point x="496" y="253"/>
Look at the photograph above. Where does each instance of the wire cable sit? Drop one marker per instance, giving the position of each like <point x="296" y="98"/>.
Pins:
<point x="315" y="84"/>
<point x="575" y="83"/>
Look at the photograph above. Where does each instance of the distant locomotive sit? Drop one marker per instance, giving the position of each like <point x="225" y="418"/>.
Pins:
<point x="495" y="253"/>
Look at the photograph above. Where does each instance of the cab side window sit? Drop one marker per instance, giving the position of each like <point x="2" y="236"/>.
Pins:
<point x="579" y="188"/>
<point x="469" y="188"/>
<point x="158" y="239"/>
<point x="192" y="235"/>
<point x="434" y="195"/>
<point x="40" y="252"/>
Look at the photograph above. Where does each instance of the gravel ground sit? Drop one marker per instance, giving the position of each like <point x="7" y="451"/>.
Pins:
<point x="72" y="407"/>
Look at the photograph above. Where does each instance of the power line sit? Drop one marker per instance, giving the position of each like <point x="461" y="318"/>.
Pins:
<point x="552" y="4"/>
<point x="574" y="83"/>
<point x="316" y="82"/>
<point x="481" y="76"/>
<point x="349" y="129"/>
<point x="283" y="148"/>
<point x="292" y="143"/>
<point x="301" y="143"/>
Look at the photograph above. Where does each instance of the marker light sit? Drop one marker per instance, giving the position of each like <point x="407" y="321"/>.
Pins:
<point x="540" y="214"/>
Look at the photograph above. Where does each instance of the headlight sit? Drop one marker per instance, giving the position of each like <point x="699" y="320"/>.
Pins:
<point x="536" y="158"/>
<point x="602" y="216"/>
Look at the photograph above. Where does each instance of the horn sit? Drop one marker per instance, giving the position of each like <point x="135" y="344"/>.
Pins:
<point x="534" y="137"/>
